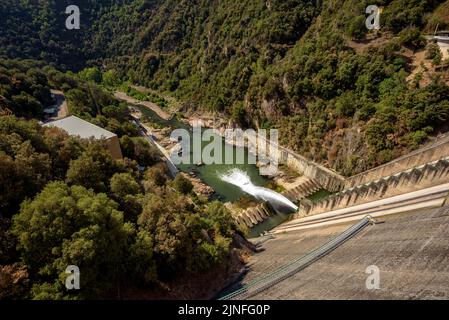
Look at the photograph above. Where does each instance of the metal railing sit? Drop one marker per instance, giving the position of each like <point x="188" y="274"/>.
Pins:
<point x="264" y="282"/>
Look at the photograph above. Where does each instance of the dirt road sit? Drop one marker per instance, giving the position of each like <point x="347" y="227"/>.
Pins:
<point x="124" y="97"/>
<point x="61" y="104"/>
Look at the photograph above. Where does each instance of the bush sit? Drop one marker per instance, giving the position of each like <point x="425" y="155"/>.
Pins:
<point x="346" y="104"/>
<point x="145" y="154"/>
<point x="411" y="37"/>
<point x="415" y="139"/>
<point x="356" y="28"/>
<point x="182" y="184"/>
<point x="434" y="53"/>
<point x="155" y="176"/>
<point x="123" y="184"/>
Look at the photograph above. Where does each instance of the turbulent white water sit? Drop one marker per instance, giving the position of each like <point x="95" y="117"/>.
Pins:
<point x="241" y="180"/>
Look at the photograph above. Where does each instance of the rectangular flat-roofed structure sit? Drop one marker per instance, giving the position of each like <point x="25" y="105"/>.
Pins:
<point x="75" y="126"/>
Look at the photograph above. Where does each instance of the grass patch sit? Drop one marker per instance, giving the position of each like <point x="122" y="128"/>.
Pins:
<point x="319" y="195"/>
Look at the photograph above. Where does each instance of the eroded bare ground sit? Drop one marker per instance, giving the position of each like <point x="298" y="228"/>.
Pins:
<point x="411" y="251"/>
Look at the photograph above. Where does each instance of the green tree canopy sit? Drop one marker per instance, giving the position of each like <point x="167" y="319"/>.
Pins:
<point x="67" y="225"/>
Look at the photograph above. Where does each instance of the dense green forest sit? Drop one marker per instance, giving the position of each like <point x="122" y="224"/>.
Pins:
<point x="65" y="201"/>
<point x="124" y="228"/>
<point x="286" y="64"/>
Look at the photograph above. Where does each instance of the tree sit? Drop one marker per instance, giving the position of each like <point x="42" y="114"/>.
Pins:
<point x="434" y="53"/>
<point x="155" y="176"/>
<point x="67" y="225"/>
<point x="92" y="169"/>
<point x="185" y="236"/>
<point x="8" y="243"/>
<point x="25" y="104"/>
<point x="91" y="74"/>
<point x="62" y="148"/>
<point x="111" y="78"/>
<point x="80" y="103"/>
<point x="23" y="175"/>
<point x="412" y="37"/>
<point x="119" y="112"/>
<point x="87" y="172"/>
<point x="127" y="146"/>
<point x="238" y="114"/>
<point x="166" y="220"/>
<point x="221" y="218"/>
<point x="14" y="281"/>
<point x="145" y="153"/>
<point x="357" y="28"/>
<point x="182" y="184"/>
<point x="346" y="104"/>
<point x="123" y="184"/>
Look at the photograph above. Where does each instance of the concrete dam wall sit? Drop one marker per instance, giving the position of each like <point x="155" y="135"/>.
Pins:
<point x="437" y="150"/>
<point x="422" y="168"/>
<point x="424" y="176"/>
<point x="326" y="178"/>
<point x="409" y="249"/>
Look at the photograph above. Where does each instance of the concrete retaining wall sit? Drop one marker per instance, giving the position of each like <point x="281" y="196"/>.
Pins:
<point x="253" y="216"/>
<point x="424" y="176"/>
<point x="325" y="177"/>
<point x="436" y="151"/>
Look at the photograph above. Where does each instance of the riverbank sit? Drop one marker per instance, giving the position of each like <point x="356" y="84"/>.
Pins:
<point x="208" y="179"/>
<point x="161" y="138"/>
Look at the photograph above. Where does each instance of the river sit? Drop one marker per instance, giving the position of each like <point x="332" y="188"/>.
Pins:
<point x="220" y="176"/>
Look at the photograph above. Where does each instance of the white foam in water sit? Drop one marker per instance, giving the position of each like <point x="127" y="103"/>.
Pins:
<point x="241" y="179"/>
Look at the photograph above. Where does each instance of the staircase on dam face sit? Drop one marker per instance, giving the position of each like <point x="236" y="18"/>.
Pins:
<point x="253" y="216"/>
<point x="260" y="213"/>
<point x="414" y="179"/>
<point x="305" y="188"/>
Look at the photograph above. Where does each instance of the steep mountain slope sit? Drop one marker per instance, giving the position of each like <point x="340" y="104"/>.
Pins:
<point x="338" y="93"/>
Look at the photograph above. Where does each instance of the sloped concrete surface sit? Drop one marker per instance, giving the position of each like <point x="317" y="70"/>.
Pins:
<point x="411" y="250"/>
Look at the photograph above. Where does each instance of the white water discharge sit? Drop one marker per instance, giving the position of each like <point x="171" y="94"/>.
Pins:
<point x="240" y="179"/>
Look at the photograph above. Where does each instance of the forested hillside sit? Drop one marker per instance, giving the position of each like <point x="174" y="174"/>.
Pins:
<point x="126" y="230"/>
<point x="339" y="94"/>
<point x="132" y="230"/>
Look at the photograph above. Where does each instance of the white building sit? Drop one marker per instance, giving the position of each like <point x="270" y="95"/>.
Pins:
<point x="75" y="126"/>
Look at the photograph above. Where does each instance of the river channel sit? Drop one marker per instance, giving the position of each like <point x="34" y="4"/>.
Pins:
<point x="212" y="174"/>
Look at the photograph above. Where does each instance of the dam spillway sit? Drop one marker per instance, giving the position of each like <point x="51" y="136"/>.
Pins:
<point x="241" y="179"/>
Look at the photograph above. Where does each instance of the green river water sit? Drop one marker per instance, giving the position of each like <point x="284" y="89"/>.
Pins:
<point x="211" y="173"/>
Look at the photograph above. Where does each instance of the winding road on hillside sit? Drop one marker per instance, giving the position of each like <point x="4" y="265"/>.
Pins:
<point x="154" y="107"/>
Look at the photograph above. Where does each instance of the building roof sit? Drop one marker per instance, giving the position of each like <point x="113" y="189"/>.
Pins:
<point x="75" y="126"/>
